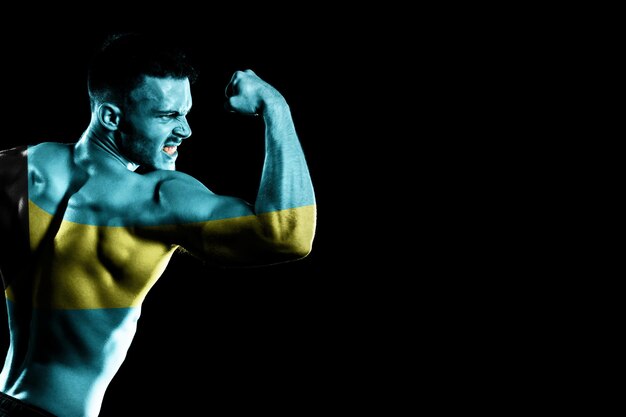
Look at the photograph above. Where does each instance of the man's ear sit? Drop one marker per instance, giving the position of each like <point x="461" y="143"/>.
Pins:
<point x="109" y="116"/>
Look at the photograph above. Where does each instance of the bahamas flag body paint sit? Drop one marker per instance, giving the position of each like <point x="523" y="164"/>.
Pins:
<point x="91" y="266"/>
<point x="88" y="248"/>
<point x="73" y="294"/>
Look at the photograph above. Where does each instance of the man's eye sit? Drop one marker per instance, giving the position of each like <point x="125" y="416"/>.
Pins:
<point x="170" y="116"/>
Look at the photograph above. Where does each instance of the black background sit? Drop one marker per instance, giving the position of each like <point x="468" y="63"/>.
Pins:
<point x="276" y="339"/>
<point x="406" y="121"/>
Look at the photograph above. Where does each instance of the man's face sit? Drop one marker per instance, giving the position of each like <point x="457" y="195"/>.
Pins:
<point x="154" y="122"/>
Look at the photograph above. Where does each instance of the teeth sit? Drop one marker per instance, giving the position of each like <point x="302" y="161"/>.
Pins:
<point x="170" y="150"/>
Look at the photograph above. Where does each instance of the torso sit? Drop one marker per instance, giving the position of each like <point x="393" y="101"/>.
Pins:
<point x="82" y="300"/>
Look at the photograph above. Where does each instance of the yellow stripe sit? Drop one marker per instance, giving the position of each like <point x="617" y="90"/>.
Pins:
<point x="88" y="267"/>
<point x="249" y="240"/>
<point x="69" y="275"/>
<point x="292" y="228"/>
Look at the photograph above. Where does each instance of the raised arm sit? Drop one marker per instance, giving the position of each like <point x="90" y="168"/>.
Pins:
<point x="285" y="182"/>
<point x="280" y="226"/>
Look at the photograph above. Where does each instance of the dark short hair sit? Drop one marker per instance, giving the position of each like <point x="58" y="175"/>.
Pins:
<point x="124" y="59"/>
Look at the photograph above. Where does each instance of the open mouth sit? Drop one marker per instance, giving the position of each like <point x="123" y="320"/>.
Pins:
<point x="170" y="150"/>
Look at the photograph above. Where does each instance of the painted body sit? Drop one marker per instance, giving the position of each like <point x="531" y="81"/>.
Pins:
<point x="98" y="235"/>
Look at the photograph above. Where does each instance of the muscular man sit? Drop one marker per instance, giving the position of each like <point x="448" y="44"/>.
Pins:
<point x="84" y="235"/>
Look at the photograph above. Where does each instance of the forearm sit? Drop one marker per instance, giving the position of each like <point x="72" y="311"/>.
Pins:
<point x="285" y="181"/>
<point x="286" y="190"/>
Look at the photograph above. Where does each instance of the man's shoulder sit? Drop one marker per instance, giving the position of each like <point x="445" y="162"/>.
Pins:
<point x="176" y="188"/>
<point x="173" y="183"/>
<point x="48" y="149"/>
<point x="50" y="163"/>
<point x="184" y="198"/>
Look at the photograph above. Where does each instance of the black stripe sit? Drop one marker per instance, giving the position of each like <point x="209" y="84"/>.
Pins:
<point x="14" y="235"/>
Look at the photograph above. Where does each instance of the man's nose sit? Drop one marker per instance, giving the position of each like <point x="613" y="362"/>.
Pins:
<point x="183" y="130"/>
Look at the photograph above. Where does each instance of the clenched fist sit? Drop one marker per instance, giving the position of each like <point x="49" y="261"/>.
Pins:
<point x="246" y="93"/>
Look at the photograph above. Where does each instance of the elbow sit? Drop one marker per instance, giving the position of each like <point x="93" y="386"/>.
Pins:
<point x="298" y="249"/>
<point x="291" y="232"/>
<point x="293" y="246"/>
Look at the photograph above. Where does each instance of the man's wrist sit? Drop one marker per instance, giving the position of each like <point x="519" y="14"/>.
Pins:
<point x="274" y="105"/>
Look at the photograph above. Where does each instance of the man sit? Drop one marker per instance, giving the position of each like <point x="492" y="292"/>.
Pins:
<point x="84" y="234"/>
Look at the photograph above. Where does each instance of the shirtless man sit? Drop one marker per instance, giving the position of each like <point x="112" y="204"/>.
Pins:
<point x="83" y="236"/>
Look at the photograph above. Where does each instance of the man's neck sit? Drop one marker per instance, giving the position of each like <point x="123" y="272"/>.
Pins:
<point x="99" y="148"/>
